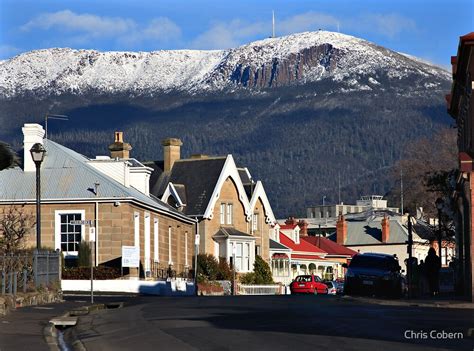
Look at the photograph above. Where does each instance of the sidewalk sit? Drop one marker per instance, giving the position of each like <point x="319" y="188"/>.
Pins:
<point x="23" y="328"/>
<point x="440" y="302"/>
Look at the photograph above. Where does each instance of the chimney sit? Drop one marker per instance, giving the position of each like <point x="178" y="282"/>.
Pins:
<point x="119" y="149"/>
<point x="32" y="133"/>
<point x="385" y="229"/>
<point x="172" y="152"/>
<point x="303" y="227"/>
<point x="291" y="221"/>
<point x="341" y="230"/>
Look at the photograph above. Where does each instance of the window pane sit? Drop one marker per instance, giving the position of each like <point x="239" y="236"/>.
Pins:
<point x="222" y="214"/>
<point x="63" y="238"/>
<point x="70" y="247"/>
<point x="239" y="249"/>
<point x="63" y="247"/>
<point x="229" y="213"/>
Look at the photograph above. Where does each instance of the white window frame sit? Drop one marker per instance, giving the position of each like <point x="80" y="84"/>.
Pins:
<point x="147" y="253"/>
<point x="170" y="258"/>
<point x="156" y="242"/>
<point x="230" y="213"/>
<point x="255" y="222"/>
<point x="222" y="213"/>
<point x="57" y="228"/>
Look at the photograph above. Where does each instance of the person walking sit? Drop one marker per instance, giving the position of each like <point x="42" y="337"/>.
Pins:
<point x="432" y="267"/>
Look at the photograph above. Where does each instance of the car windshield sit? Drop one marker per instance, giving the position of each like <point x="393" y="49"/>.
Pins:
<point x="363" y="261"/>
<point x="303" y="278"/>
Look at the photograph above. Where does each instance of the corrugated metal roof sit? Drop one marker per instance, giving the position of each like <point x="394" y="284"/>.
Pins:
<point x="66" y="175"/>
<point x="370" y="232"/>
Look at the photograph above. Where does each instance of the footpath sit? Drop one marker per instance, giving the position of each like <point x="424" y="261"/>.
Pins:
<point x="437" y="302"/>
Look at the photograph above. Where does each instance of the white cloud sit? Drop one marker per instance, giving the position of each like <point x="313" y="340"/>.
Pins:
<point x="222" y="35"/>
<point x="388" y="25"/>
<point x="86" y="27"/>
<point x="92" y="25"/>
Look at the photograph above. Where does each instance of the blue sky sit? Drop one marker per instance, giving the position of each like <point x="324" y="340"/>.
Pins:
<point x="429" y="29"/>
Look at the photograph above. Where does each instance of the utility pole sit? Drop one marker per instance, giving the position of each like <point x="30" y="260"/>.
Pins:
<point x="273" y="24"/>
<point x="196" y="252"/>
<point x="410" y="258"/>
<point x="401" y="189"/>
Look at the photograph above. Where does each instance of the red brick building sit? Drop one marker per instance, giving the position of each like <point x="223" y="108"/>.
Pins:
<point x="460" y="107"/>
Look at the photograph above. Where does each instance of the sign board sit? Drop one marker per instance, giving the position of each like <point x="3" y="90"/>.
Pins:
<point x="91" y="234"/>
<point x="130" y="256"/>
<point x="82" y="222"/>
<point x="196" y="240"/>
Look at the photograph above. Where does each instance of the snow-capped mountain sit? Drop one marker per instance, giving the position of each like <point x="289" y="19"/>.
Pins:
<point x="300" y="111"/>
<point x="293" y="59"/>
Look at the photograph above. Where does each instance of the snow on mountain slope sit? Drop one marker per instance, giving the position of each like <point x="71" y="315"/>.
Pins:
<point x="295" y="58"/>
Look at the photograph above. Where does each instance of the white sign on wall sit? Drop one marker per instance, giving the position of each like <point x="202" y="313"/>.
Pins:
<point x="91" y="234"/>
<point x="130" y="256"/>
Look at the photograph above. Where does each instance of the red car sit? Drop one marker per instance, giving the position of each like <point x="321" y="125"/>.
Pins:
<point x="308" y="284"/>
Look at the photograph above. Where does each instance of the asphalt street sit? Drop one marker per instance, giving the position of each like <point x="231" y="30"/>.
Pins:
<point x="273" y="322"/>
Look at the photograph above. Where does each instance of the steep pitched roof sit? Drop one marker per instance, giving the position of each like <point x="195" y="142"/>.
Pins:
<point x="198" y="178"/>
<point x="332" y="248"/>
<point x="275" y="245"/>
<point x="66" y="175"/>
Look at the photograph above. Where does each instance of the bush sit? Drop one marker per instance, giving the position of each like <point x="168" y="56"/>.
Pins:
<point x="84" y="273"/>
<point x="207" y="266"/>
<point x="247" y="278"/>
<point x="224" y="272"/>
<point x="84" y="254"/>
<point x="263" y="273"/>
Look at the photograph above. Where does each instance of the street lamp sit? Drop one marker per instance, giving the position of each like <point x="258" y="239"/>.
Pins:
<point x="439" y="205"/>
<point x="37" y="154"/>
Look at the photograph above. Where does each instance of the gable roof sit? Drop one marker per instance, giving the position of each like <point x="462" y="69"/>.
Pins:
<point x="259" y="193"/>
<point x="303" y="247"/>
<point x="198" y="177"/>
<point x="67" y="176"/>
<point x="332" y="248"/>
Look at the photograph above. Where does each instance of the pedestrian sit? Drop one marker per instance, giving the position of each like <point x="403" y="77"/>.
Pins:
<point x="432" y="267"/>
<point x="423" y="278"/>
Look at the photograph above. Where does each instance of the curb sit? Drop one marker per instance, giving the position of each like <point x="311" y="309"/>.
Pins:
<point x="50" y="333"/>
<point x="414" y="303"/>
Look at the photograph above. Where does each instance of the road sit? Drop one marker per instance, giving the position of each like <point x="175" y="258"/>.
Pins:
<point x="271" y="322"/>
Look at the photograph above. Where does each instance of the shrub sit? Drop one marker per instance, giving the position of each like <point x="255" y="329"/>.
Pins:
<point x="247" y="278"/>
<point x="84" y="254"/>
<point x="263" y="274"/>
<point x="224" y="272"/>
<point x="84" y="273"/>
<point x="208" y="267"/>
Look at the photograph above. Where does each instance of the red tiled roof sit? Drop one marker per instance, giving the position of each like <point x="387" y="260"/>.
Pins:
<point x="329" y="246"/>
<point x="468" y="36"/>
<point x="303" y="246"/>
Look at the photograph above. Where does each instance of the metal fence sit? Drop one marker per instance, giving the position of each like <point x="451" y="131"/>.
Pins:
<point x="29" y="271"/>
<point x="164" y="271"/>
<point x="259" y="289"/>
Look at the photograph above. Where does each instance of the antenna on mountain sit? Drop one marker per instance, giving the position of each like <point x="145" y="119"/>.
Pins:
<point x="48" y="116"/>
<point x="273" y="24"/>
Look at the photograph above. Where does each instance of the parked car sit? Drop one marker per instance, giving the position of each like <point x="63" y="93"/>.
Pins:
<point x="308" y="284"/>
<point x="332" y="287"/>
<point x="339" y="286"/>
<point x="374" y="274"/>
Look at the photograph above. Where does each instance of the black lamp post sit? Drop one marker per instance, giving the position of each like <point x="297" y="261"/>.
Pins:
<point x="37" y="154"/>
<point x="439" y="205"/>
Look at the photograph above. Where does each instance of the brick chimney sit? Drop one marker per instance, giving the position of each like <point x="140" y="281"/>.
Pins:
<point x="385" y="229"/>
<point x="119" y="149"/>
<point x="303" y="227"/>
<point x="172" y="152"/>
<point x="341" y="230"/>
<point x="291" y="221"/>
